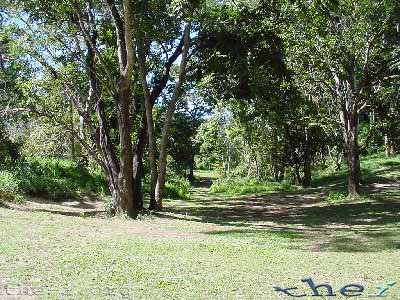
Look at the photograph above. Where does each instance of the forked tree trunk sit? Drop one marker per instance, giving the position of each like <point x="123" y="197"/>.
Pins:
<point x="126" y="60"/>
<point x="150" y="99"/>
<point x="148" y="103"/>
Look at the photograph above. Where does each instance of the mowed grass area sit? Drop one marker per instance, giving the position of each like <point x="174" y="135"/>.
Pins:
<point x="210" y="246"/>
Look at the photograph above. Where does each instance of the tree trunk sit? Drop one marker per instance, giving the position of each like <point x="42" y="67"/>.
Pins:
<point x="72" y="128"/>
<point x="307" y="172"/>
<point x="126" y="60"/>
<point x="392" y="151"/>
<point x="191" y="169"/>
<point x="125" y="176"/>
<point x="389" y="146"/>
<point x="152" y="145"/>
<point x="353" y="159"/>
<point x="138" y="170"/>
<point x="296" y="174"/>
<point x="307" y="161"/>
<point x="149" y="119"/>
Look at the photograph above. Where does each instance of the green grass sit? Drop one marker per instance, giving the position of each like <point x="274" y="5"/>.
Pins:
<point x="211" y="246"/>
<point x="67" y="258"/>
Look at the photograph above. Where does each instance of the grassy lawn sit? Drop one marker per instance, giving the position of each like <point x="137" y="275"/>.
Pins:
<point x="210" y="246"/>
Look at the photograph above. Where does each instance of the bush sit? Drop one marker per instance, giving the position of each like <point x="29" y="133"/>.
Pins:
<point x="177" y="188"/>
<point x="56" y="179"/>
<point x="9" y="187"/>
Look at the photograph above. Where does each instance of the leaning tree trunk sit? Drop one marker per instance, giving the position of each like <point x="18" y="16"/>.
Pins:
<point x="150" y="98"/>
<point x="168" y="118"/>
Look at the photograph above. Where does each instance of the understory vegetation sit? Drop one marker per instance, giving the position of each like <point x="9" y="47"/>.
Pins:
<point x="241" y="186"/>
<point x="50" y="178"/>
<point x="373" y="167"/>
<point x="109" y="101"/>
<point x="58" y="179"/>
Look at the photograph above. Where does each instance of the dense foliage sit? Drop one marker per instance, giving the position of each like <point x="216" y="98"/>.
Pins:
<point x="145" y="92"/>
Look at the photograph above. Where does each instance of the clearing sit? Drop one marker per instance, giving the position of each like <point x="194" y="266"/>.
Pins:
<point x="208" y="247"/>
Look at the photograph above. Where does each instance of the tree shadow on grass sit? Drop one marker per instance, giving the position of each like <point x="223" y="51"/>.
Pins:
<point x="392" y="164"/>
<point x="72" y="208"/>
<point x="291" y="210"/>
<point x="367" y="225"/>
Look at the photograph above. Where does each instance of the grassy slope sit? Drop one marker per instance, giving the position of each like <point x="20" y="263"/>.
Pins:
<point x="375" y="169"/>
<point x="190" y="253"/>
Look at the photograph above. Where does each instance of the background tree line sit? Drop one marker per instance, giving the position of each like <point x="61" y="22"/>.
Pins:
<point x="142" y="92"/>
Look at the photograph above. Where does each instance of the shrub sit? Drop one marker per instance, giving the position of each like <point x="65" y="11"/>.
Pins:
<point x="335" y="197"/>
<point x="56" y="179"/>
<point x="9" y="187"/>
<point x="177" y="188"/>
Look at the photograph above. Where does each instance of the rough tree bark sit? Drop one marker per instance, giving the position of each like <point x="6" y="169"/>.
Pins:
<point x="125" y="202"/>
<point x="353" y="156"/>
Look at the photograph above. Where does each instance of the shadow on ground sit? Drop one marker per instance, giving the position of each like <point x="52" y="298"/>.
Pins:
<point x="85" y="207"/>
<point x="369" y="224"/>
<point x="303" y="219"/>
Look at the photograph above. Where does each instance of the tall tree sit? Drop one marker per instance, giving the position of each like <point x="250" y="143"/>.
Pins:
<point x="341" y="53"/>
<point x="105" y="40"/>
